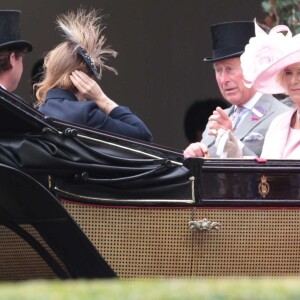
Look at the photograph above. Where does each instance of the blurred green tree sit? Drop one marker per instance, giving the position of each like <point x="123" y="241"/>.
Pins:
<point x="285" y="12"/>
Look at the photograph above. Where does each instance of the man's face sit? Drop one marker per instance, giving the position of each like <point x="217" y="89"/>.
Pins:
<point x="229" y="76"/>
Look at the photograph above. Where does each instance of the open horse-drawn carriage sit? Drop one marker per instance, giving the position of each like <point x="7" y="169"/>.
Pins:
<point x="81" y="203"/>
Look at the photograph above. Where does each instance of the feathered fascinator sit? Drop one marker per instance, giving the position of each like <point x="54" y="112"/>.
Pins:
<point x="84" y="30"/>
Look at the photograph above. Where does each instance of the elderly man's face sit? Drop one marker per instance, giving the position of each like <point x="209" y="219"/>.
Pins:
<point x="229" y="76"/>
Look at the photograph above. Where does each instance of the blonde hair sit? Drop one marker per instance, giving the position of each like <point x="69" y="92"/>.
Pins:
<point x="85" y="30"/>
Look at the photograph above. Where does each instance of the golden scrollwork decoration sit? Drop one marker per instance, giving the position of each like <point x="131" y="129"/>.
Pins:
<point x="263" y="187"/>
<point x="204" y="225"/>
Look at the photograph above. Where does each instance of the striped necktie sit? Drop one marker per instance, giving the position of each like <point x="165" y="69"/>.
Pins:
<point x="236" y="116"/>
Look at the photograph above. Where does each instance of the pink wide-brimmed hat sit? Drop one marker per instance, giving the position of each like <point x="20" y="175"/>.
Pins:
<point x="266" y="55"/>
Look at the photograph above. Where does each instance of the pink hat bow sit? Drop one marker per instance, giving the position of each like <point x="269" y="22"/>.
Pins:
<point x="262" y="52"/>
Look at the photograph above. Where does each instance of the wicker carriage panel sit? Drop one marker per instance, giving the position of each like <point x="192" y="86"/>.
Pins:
<point x="19" y="261"/>
<point x="139" y="242"/>
<point x="157" y="242"/>
<point x="252" y="242"/>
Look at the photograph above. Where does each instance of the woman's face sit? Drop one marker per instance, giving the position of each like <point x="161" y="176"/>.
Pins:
<point x="291" y="80"/>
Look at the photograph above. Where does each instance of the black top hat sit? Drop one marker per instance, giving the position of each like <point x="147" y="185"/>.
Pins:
<point x="10" y="33"/>
<point x="229" y="39"/>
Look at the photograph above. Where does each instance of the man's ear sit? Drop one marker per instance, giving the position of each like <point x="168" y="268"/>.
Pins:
<point x="12" y="58"/>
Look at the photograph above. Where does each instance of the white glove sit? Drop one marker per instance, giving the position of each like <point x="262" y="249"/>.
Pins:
<point x="228" y="145"/>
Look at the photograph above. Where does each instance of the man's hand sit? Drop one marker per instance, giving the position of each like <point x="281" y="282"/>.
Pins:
<point x="195" y="150"/>
<point x="228" y="145"/>
<point x="219" y="120"/>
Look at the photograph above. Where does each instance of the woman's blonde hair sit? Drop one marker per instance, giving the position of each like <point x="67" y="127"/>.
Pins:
<point x="84" y="31"/>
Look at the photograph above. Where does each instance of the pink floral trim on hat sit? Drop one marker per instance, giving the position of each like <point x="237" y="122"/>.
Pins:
<point x="263" y="50"/>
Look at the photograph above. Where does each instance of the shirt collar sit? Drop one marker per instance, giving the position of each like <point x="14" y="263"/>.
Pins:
<point x="251" y="103"/>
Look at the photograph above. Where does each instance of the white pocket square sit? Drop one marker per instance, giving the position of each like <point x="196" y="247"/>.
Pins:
<point x="253" y="136"/>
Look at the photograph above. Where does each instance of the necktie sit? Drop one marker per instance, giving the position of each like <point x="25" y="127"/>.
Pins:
<point x="236" y="116"/>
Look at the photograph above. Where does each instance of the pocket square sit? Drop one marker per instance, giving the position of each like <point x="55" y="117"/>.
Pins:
<point x="253" y="136"/>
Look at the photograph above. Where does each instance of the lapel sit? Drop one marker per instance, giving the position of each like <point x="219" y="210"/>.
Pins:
<point x="248" y="123"/>
<point x="229" y="110"/>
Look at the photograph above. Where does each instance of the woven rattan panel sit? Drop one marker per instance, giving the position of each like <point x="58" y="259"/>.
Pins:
<point x="157" y="242"/>
<point x="251" y="242"/>
<point x="139" y="242"/>
<point x="19" y="261"/>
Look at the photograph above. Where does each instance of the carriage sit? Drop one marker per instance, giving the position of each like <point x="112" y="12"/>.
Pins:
<point x="82" y="203"/>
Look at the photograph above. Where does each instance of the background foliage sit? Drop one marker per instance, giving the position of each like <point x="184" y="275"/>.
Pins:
<point x="286" y="12"/>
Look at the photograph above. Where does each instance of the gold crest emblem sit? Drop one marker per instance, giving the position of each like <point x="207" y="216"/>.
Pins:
<point x="263" y="187"/>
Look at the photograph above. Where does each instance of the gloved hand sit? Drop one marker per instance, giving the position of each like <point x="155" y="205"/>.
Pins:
<point x="228" y="145"/>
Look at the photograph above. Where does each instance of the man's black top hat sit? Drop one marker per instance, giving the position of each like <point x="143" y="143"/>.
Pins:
<point x="10" y="33"/>
<point x="229" y="39"/>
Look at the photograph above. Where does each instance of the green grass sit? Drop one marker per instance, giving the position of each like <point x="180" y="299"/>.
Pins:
<point x="221" y="289"/>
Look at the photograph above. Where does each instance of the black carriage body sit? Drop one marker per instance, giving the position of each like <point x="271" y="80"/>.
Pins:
<point x="91" y="204"/>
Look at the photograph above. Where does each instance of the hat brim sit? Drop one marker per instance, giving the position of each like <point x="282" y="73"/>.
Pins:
<point x="214" y="59"/>
<point x="17" y="44"/>
<point x="267" y="81"/>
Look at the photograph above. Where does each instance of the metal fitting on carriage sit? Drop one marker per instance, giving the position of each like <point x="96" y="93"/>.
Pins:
<point x="70" y="132"/>
<point x="204" y="225"/>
